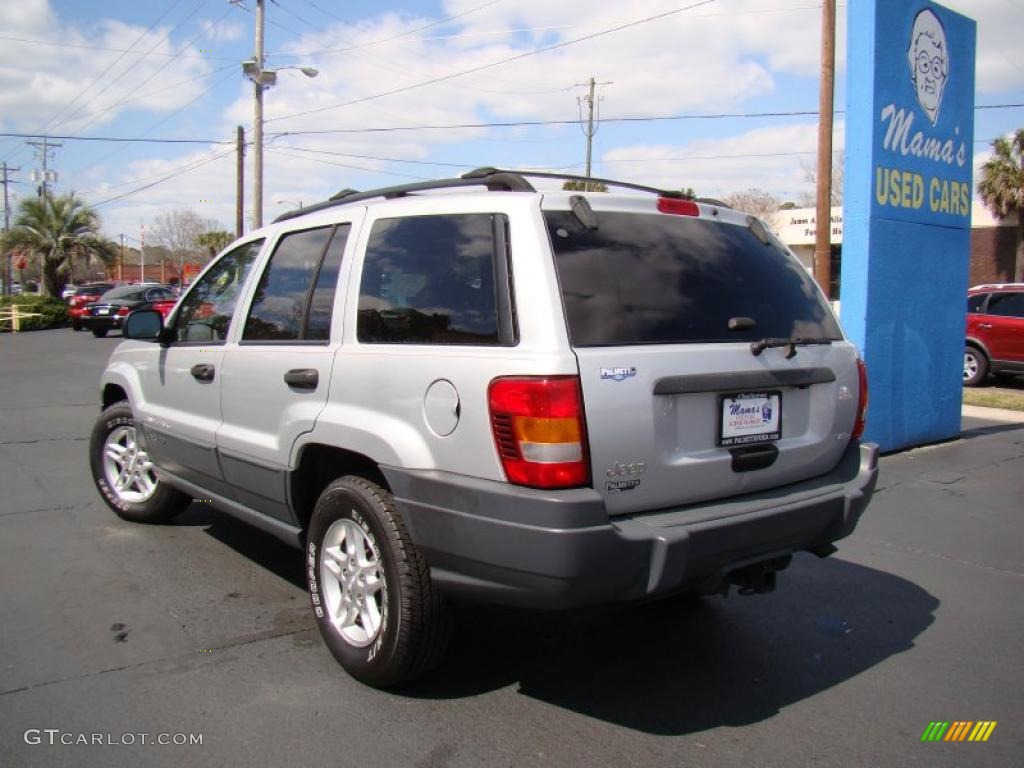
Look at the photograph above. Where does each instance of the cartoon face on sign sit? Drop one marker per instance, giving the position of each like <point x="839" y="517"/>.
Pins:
<point x="928" y="57"/>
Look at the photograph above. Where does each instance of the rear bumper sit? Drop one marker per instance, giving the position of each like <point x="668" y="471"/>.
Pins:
<point x="504" y="544"/>
<point x="104" y="321"/>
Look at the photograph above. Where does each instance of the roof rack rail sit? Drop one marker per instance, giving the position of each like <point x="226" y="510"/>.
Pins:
<point x="498" y="181"/>
<point x="484" y="172"/>
<point x="495" y="179"/>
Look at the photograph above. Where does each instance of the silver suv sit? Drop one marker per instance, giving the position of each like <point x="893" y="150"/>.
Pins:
<point x="473" y="388"/>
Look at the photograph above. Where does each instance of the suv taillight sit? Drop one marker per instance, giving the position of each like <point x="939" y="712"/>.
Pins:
<point x="539" y="430"/>
<point x="862" y="401"/>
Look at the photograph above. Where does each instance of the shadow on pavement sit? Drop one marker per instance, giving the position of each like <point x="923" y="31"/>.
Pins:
<point x="988" y="429"/>
<point x="671" y="667"/>
<point x="261" y="548"/>
<point x="683" y="666"/>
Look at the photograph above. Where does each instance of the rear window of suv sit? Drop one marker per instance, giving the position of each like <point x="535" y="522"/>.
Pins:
<point x="663" y="279"/>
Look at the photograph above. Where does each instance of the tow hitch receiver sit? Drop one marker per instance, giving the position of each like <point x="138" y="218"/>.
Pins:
<point x="759" y="578"/>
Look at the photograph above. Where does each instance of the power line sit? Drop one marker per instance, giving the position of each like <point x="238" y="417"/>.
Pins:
<point x="174" y="174"/>
<point x="156" y="72"/>
<point x="506" y="60"/>
<point x="156" y="125"/>
<point x="280" y="151"/>
<point x="66" y="137"/>
<point x="127" y="70"/>
<point x="625" y="119"/>
<point x="383" y="40"/>
<point x="53" y="44"/>
<point x="450" y="126"/>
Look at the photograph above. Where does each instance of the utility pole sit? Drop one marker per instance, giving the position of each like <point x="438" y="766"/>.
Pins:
<point x="7" y="224"/>
<point x="262" y="79"/>
<point x="142" y="253"/>
<point x="120" y="263"/>
<point x="257" y="155"/>
<point x="590" y="129"/>
<point x="823" y="219"/>
<point x="44" y="149"/>
<point x="240" y="181"/>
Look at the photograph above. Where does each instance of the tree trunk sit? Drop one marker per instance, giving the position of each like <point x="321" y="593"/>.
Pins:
<point x="53" y="280"/>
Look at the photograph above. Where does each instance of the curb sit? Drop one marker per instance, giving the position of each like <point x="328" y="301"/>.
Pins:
<point x="993" y="414"/>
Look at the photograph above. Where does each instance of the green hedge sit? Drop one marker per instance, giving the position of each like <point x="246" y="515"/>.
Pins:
<point x="52" y="312"/>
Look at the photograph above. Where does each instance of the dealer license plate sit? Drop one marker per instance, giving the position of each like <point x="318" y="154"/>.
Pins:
<point x="750" y="417"/>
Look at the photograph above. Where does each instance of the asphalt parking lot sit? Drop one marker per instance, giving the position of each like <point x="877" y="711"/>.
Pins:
<point x="202" y="627"/>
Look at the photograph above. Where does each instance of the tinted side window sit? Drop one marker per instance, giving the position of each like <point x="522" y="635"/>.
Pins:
<point x="205" y="312"/>
<point x="1006" y="304"/>
<point x="430" y="280"/>
<point x="974" y="303"/>
<point x="279" y="306"/>
<point x="321" y="305"/>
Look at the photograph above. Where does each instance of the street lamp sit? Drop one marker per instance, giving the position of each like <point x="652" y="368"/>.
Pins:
<point x="262" y="79"/>
<point x="291" y="203"/>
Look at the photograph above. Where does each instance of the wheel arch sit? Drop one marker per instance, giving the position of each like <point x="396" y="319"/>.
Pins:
<point x="113" y="393"/>
<point x="978" y="345"/>
<point x="317" y="465"/>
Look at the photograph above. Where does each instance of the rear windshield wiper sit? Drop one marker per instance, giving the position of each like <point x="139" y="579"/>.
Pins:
<point x="757" y="347"/>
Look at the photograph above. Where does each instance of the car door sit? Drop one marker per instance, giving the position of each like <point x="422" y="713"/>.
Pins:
<point x="180" y="407"/>
<point x="1005" y="316"/>
<point x="277" y="368"/>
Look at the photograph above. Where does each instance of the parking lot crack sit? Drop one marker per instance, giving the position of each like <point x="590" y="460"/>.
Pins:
<point x="238" y="642"/>
<point x="62" y="508"/>
<point x="69" y="438"/>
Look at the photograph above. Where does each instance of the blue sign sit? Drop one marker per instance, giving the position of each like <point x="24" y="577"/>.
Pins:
<point x="907" y="211"/>
<point x="924" y="99"/>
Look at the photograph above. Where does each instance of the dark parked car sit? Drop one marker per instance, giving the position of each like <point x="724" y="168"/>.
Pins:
<point x="995" y="332"/>
<point x="115" y="305"/>
<point x="83" y="295"/>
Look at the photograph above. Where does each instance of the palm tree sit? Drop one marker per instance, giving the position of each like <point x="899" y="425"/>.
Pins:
<point x="1002" y="187"/>
<point x="57" y="230"/>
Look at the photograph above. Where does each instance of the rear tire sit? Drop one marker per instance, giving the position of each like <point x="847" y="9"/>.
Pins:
<point x="123" y="473"/>
<point x="99" y="333"/>
<point x="369" y="587"/>
<point x="975" y="367"/>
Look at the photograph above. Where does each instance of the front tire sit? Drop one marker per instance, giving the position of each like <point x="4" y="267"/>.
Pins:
<point x="975" y="367"/>
<point x="369" y="587"/>
<point x="123" y="473"/>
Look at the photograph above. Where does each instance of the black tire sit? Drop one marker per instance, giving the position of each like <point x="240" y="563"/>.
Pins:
<point x="414" y="620"/>
<point x="164" y="503"/>
<point x="99" y="333"/>
<point x="975" y="367"/>
<point x="76" y="326"/>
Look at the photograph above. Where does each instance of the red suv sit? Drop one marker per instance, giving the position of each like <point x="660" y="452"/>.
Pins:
<point x="995" y="332"/>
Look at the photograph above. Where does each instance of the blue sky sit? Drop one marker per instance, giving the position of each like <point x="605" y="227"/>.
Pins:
<point x="181" y="79"/>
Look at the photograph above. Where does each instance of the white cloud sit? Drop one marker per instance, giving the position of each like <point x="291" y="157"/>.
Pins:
<point x="726" y="56"/>
<point x="223" y="31"/>
<point x="67" y="87"/>
<point x="772" y="159"/>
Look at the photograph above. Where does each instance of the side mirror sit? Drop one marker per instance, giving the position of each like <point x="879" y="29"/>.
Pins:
<point x="144" y="325"/>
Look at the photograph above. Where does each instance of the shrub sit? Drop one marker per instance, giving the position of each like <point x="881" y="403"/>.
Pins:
<point x="52" y="312"/>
